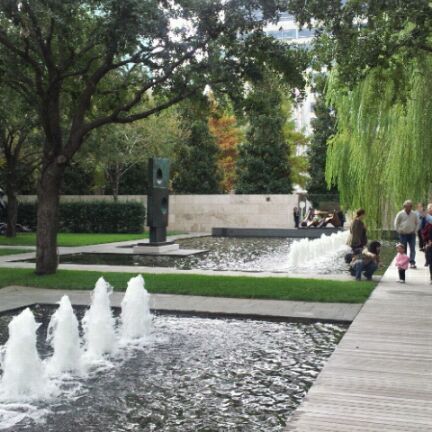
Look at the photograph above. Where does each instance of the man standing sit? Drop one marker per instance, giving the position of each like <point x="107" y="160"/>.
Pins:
<point x="406" y="224"/>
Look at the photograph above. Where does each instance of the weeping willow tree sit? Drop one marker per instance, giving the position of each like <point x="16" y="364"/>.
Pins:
<point x="381" y="153"/>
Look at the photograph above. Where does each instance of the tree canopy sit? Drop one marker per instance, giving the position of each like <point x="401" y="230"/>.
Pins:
<point x="358" y="35"/>
<point x="263" y="162"/>
<point x="323" y="127"/>
<point x="83" y="64"/>
<point x="196" y="169"/>
<point x="381" y="153"/>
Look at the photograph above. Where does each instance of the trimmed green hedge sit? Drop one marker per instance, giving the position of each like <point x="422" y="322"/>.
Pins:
<point x="91" y="217"/>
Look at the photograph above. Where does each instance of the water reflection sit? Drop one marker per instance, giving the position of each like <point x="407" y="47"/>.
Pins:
<point x="198" y="374"/>
<point x="224" y="253"/>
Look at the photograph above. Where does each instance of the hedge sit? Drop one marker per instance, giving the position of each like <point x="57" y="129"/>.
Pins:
<point x="91" y="217"/>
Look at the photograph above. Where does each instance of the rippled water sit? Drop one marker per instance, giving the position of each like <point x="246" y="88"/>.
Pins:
<point x="224" y="253"/>
<point x="196" y="374"/>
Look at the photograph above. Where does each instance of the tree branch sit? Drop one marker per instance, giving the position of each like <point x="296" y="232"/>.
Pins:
<point x="22" y="54"/>
<point x="129" y="119"/>
<point x="36" y="30"/>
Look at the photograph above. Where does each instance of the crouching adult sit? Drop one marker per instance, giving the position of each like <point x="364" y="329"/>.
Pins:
<point x="366" y="261"/>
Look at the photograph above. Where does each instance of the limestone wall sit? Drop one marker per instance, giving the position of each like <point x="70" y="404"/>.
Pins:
<point x="201" y="213"/>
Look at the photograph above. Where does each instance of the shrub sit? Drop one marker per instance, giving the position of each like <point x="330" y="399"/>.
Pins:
<point x="27" y="214"/>
<point x="91" y="217"/>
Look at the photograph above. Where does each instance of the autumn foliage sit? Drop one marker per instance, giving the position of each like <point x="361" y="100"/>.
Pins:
<point x="228" y="135"/>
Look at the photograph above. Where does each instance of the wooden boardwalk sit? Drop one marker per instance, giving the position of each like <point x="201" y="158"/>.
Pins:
<point x="380" y="376"/>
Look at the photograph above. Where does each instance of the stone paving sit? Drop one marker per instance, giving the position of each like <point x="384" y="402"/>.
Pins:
<point x="380" y="376"/>
<point x="14" y="297"/>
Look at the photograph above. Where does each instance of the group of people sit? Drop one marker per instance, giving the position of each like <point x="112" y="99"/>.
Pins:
<point x="363" y="259"/>
<point x="318" y="219"/>
<point x="409" y="224"/>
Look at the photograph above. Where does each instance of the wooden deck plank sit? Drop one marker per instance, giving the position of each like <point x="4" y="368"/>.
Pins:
<point x="380" y="376"/>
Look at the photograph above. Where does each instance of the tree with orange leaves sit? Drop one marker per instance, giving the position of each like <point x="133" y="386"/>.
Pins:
<point x="224" y="128"/>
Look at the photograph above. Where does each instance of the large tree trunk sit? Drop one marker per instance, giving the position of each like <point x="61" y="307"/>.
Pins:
<point x="47" y="218"/>
<point x="12" y="213"/>
<point x="12" y="201"/>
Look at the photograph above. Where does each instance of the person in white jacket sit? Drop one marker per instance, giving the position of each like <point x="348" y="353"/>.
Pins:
<point x="407" y="224"/>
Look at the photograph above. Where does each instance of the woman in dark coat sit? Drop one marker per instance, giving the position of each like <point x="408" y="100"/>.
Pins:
<point x="358" y="236"/>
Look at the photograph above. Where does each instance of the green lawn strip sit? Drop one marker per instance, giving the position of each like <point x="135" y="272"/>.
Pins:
<point x="75" y="239"/>
<point x="5" y="251"/>
<point x="277" y="288"/>
<point x="387" y="255"/>
<point x="72" y="239"/>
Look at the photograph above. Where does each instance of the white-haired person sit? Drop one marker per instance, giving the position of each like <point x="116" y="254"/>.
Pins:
<point x="406" y="224"/>
<point x="428" y="214"/>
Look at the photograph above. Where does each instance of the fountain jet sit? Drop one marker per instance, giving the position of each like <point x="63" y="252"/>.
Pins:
<point x="23" y="374"/>
<point x="63" y="335"/>
<point x="307" y="253"/>
<point x="99" y="323"/>
<point x="135" y="315"/>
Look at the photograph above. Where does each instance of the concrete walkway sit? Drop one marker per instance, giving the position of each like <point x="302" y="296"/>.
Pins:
<point x="380" y="376"/>
<point x="14" y="297"/>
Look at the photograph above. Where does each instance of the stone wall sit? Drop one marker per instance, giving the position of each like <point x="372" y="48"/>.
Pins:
<point x="201" y="213"/>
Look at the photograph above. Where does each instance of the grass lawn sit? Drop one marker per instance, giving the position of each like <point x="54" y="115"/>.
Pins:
<point x="280" y="288"/>
<point x="72" y="239"/>
<point x="4" y="251"/>
<point x="387" y="254"/>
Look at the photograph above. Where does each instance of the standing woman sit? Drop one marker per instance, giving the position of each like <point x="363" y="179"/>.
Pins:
<point x="358" y="237"/>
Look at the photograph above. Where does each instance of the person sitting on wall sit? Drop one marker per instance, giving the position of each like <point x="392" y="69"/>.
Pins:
<point x="308" y="218"/>
<point x="332" y="218"/>
<point x="365" y="261"/>
<point x="320" y="219"/>
<point x="316" y="220"/>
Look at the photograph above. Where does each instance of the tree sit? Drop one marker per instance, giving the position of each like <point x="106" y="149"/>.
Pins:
<point x="360" y="35"/>
<point x="116" y="149"/>
<point x="196" y="170"/>
<point x="116" y="155"/>
<point x="223" y="126"/>
<point x="79" y="178"/>
<point x="381" y="152"/>
<point x="324" y="127"/>
<point x="263" y="162"/>
<point x="19" y="150"/>
<point x="86" y="64"/>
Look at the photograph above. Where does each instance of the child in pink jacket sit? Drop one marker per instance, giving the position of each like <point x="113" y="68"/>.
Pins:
<point x="402" y="261"/>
